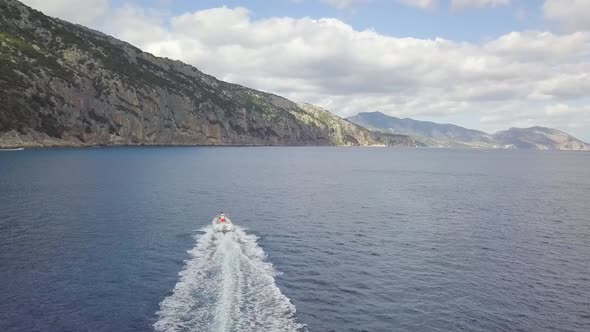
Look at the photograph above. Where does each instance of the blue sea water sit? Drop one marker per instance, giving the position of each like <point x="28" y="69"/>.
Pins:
<point x="330" y="239"/>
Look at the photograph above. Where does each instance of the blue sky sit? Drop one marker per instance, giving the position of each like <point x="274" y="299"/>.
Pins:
<point x="483" y="64"/>
<point x="385" y="16"/>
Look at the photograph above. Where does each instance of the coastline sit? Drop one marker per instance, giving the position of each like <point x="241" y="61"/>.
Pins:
<point x="8" y="148"/>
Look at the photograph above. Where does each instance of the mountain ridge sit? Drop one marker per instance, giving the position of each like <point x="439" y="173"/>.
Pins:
<point x="448" y="135"/>
<point x="431" y="133"/>
<point x="68" y="85"/>
<point x="541" y="138"/>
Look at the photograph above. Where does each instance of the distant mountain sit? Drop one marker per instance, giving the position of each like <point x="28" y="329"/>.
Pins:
<point x="430" y="133"/>
<point x="448" y="135"/>
<point x="63" y="84"/>
<point x="539" y="138"/>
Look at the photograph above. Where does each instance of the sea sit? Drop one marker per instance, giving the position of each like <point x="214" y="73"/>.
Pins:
<point x="327" y="239"/>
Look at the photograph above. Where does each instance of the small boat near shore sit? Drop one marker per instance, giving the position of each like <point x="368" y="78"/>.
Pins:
<point x="15" y="149"/>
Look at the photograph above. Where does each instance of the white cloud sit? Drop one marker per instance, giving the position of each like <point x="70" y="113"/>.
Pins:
<point x="342" y="4"/>
<point x="420" y="3"/>
<point x="147" y="26"/>
<point x="543" y="47"/>
<point x="571" y="14"/>
<point x="460" y="4"/>
<point x="329" y="63"/>
<point x="569" y="84"/>
<point x="82" y="12"/>
<point x="558" y="109"/>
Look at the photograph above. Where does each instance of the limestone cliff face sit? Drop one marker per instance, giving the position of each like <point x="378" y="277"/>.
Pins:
<point x="63" y="84"/>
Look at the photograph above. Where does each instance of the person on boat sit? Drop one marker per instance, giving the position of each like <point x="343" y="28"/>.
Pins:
<point x="222" y="218"/>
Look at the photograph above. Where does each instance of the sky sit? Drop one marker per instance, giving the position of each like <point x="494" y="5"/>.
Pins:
<point x="482" y="64"/>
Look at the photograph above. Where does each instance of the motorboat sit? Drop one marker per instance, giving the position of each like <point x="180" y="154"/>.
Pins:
<point x="221" y="223"/>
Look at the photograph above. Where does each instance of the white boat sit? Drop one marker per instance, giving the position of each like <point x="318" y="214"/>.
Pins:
<point x="17" y="149"/>
<point x="221" y="223"/>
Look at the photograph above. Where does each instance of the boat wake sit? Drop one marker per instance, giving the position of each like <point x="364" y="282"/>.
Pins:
<point x="227" y="286"/>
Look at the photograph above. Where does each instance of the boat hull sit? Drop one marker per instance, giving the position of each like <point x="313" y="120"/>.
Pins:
<point x="225" y="226"/>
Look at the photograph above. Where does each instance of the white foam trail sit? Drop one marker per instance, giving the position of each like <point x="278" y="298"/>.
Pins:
<point x="227" y="286"/>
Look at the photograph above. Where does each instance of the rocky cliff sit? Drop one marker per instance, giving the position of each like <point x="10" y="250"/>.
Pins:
<point x="65" y="85"/>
